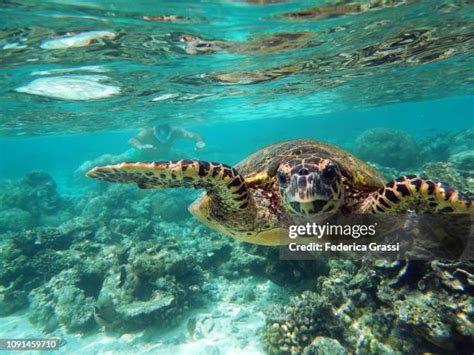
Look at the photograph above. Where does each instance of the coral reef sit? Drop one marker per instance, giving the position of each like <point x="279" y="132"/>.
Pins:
<point x="61" y="302"/>
<point x="447" y="157"/>
<point x="148" y="283"/>
<point x="442" y="146"/>
<point x="463" y="161"/>
<point x="15" y="219"/>
<point x="449" y="174"/>
<point x="28" y="202"/>
<point x="367" y="307"/>
<point x="29" y="259"/>
<point x="128" y="202"/>
<point x="123" y="266"/>
<point x="388" y="147"/>
<point x="74" y="282"/>
<point x="120" y="263"/>
<point x="293" y="330"/>
<point x="324" y="345"/>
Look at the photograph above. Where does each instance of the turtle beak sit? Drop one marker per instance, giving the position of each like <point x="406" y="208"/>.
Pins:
<point x="309" y="195"/>
<point x="309" y="186"/>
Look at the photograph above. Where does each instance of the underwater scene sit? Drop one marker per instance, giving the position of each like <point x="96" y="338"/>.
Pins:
<point x="155" y="158"/>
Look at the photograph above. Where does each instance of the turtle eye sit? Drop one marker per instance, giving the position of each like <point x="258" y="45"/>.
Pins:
<point x="329" y="173"/>
<point x="281" y="178"/>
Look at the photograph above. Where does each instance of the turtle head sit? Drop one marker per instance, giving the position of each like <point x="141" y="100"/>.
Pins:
<point x="310" y="185"/>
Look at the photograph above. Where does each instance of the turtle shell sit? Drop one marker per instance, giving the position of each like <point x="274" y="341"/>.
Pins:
<point x="262" y="165"/>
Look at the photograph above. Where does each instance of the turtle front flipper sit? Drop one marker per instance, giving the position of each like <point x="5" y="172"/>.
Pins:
<point x="229" y="200"/>
<point x="418" y="194"/>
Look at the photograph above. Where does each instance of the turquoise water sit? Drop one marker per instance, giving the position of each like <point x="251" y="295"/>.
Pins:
<point x="389" y="81"/>
<point x="232" y="141"/>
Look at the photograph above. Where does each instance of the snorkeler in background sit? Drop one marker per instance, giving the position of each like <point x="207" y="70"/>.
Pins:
<point x="149" y="144"/>
<point x="157" y="141"/>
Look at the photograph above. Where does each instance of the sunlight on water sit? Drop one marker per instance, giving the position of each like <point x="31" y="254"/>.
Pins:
<point x="229" y="60"/>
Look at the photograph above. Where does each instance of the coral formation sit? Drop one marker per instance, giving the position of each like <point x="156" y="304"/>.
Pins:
<point x="29" y="259"/>
<point x="442" y="146"/>
<point x="61" y="302"/>
<point x="388" y="147"/>
<point x="122" y="265"/>
<point x="449" y="174"/>
<point x="15" y="219"/>
<point x="447" y="157"/>
<point x="150" y="283"/>
<point x="367" y="307"/>
<point x="28" y="202"/>
<point x="464" y="161"/>
<point x="324" y="345"/>
<point x="118" y="263"/>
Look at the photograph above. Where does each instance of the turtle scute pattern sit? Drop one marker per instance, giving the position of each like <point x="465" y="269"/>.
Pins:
<point x="265" y="161"/>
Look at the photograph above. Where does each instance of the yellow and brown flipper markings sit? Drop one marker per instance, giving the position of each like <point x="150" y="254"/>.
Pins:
<point x="419" y="194"/>
<point x="224" y="185"/>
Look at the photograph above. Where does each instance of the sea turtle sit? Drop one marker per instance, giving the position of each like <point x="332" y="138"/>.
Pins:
<point x="257" y="198"/>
